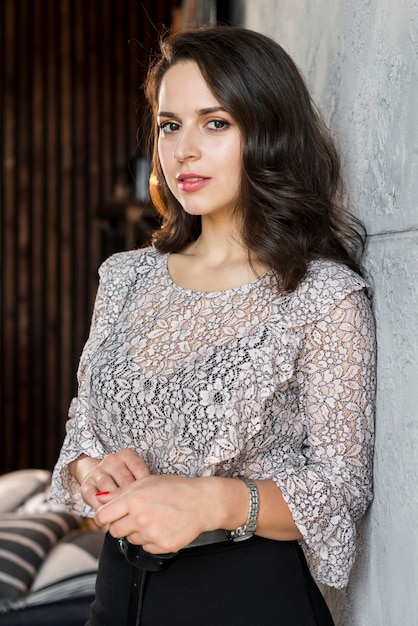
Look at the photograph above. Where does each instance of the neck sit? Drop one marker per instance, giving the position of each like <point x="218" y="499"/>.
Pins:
<point x="218" y="243"/>
<point x="217" y="260"/>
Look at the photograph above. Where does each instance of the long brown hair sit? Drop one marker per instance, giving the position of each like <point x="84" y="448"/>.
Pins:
<point x="290" y="204"/>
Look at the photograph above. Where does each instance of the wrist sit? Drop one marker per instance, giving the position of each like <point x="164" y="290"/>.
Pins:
<point x="247" y="530"/>
<point x="226" y="502"/>
<point x="82" y="466"/>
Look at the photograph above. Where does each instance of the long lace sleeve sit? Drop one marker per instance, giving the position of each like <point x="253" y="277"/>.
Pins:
<point x="336" y="380"/>
<point x="116" y="275"/>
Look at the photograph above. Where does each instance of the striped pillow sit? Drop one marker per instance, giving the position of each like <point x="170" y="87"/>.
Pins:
<point x="25" y="540"/>
<point x="16" y="487"/>
<point x="69" y="571"/>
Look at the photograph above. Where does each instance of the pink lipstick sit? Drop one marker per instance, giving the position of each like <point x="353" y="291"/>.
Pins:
<point x="191" y="182"/>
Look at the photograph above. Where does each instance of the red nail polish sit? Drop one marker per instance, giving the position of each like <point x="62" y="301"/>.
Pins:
<point x="103" y="493"/>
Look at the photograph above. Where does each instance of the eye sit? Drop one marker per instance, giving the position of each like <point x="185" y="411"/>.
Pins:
<point x="217" y="124"/>
<point x="169" y="127"/>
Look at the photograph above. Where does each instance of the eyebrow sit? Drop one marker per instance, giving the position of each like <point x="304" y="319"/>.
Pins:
<point x="205" y="111"/>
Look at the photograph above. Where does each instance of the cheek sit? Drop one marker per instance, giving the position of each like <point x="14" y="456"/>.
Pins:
<point x="232" y="162"/>
<point x="167" y="168"/>
<point x="161" y="155"/>
<point x="236" y="172"/>
<point x="164" y="153"/>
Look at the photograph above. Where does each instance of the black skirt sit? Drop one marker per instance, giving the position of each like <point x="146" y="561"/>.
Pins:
<point x="258" y="582"/>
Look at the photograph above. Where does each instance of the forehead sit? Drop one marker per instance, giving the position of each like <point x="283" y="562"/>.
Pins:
<point x="183" y="86"/>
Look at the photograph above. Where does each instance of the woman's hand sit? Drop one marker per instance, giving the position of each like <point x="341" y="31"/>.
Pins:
<point x="108" y="476"/>
<point x="162" y="513"/>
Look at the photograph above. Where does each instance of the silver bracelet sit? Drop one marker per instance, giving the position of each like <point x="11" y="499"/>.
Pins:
<point x="245" y="532"/>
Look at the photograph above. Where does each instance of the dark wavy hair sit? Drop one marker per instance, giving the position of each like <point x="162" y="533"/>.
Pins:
<point x="290" y="204"/>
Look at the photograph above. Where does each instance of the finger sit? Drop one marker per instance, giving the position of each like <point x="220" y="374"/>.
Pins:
<point x="94" y="485"/>
<point x="121" y="468"/>
<point x="135" y="464"/>
<point x="123" y="528"/>
<point x="99" y="499"/>
<point x="110" y="474"/>
<point x="116" y="471"/>
<point x="104" y="497"/>
<point x="111" y="511"/>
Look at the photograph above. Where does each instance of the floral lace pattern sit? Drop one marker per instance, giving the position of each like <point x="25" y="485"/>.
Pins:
<point x="242" y="381"/>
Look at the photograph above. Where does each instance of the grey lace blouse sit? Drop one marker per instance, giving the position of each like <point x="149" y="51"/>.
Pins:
<point x="242" y="381"/>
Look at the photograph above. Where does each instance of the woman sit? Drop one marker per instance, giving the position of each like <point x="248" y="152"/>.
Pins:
<point x="222" y="433"/>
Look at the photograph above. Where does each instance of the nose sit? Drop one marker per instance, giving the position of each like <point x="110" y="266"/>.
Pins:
<point x="187" y="145"/>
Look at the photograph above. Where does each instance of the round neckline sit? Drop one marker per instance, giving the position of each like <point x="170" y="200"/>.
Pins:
<point x="210" y="294"/>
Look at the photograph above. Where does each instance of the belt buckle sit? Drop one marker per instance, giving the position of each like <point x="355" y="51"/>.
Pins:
<point x="140" y="558"/>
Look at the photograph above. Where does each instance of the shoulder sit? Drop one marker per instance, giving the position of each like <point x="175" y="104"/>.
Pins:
<point x="325" y="285"/>
<point x="118" y="275"/>
<point x="127" y="266"/>
<point x="333" y="280"/>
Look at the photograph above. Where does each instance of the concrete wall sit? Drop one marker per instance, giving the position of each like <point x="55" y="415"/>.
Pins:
<point x="360" y="58"/>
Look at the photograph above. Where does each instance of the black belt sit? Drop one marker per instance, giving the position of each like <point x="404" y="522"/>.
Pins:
<point x="140" y="558"/>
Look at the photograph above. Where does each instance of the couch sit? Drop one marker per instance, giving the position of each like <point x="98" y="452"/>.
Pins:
<point x="48" y="555"/>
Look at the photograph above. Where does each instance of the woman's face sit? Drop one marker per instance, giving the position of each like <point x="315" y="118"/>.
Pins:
<point x="199" y="144"/>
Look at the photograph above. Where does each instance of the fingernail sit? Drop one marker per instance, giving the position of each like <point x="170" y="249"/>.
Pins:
<point x="103" y="493"/>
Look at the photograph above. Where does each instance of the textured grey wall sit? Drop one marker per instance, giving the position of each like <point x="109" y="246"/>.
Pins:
<point x="360" y="58"/>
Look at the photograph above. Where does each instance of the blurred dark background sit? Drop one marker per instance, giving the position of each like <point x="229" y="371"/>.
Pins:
<point x="70" y="108"/>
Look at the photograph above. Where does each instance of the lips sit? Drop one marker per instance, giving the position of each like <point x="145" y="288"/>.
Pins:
<point x="191" y="182"/>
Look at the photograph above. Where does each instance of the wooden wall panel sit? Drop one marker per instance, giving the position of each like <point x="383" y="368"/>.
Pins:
<point x="70" y="79"/>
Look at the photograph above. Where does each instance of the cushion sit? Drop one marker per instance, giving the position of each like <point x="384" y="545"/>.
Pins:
<point x="69" y="570"/>
<point x="41" y="503"/>
<point x="16" y="487"/>
<point x="25" y="540"/>
<point x="72" y="612"/>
